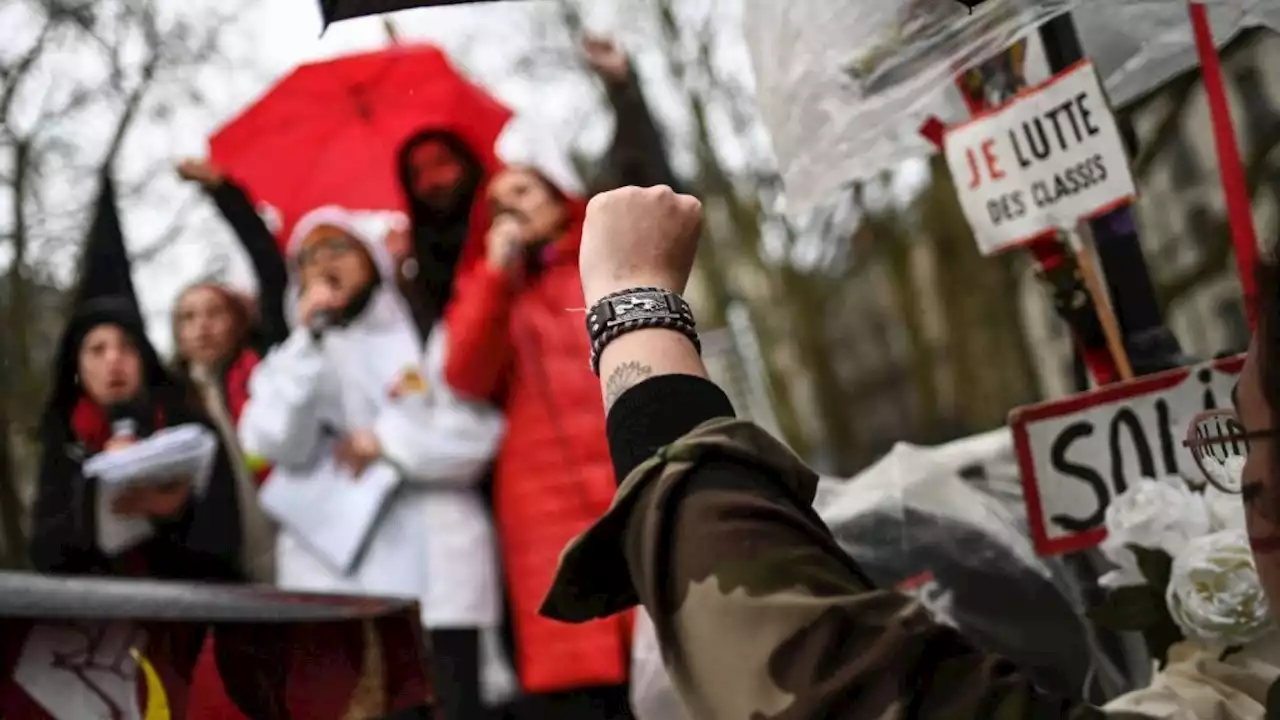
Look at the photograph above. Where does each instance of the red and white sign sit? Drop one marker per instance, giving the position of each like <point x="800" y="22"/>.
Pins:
<point x="1077" y="453"/>
<point x="1048" y="158"/>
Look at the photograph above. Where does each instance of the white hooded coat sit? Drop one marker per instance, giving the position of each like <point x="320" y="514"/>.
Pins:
<point x="434" y="540"/>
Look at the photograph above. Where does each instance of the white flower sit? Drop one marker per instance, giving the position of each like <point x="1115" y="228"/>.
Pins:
<point x="1126" y="570"/>
<point x="1214" y="593"/>
<point x="1225" y="473"/>
<point x="1226" y="511"/>
<point x="1157" y="514"/>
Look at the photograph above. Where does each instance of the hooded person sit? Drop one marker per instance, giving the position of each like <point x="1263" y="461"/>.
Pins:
<point x="351" y="385"/>
<point x="445" y="182"/>
<point x="219" y="334"/>
<point x="107" y="372"/>
<point x="512" y="340"/>
<point x="442" y="176"/>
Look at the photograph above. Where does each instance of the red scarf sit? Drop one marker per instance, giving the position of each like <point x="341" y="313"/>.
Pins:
<point x="235" y="388"/>
<point x="91" y="426"/>
<point x="235" y="393"/>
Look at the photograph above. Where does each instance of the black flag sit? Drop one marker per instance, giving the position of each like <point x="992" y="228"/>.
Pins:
<point x="335" y="10"/>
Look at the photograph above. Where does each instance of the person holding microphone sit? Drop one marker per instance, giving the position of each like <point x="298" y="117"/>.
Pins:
<point x="349" y="405"/>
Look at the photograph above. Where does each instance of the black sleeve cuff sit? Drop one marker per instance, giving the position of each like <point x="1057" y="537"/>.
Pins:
<point x="656" y="413"/>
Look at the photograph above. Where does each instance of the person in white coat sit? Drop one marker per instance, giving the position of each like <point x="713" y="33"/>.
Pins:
<point x="376" y="461"/>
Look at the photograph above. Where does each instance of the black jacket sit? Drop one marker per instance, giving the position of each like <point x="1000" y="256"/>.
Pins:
<point x="203" y="543"/>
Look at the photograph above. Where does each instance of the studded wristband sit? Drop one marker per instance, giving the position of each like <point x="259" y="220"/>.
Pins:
<point x="640" y="308"/>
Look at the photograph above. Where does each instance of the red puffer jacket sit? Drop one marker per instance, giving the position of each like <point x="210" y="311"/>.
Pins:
<point x="523" y="343"/>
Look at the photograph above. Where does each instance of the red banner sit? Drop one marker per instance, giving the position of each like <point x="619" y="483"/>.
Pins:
<point x="72" y="648"/>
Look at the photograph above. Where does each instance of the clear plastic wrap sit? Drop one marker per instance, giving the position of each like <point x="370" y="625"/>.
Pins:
<point x="844" y="87"/>
<point x="947" y="523"/>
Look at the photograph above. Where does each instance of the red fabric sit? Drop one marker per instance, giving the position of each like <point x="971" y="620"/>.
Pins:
<point x="553" y="475"/>
<point x="91" y="426"/>
<point x="297" y="670"/>
<point x="236" y="384"/>
<point x="349" y="117"/>
<point x="94" y="666"/>
<point x="209" y="697"/>
<point x="1097" y="360"/>
<point x="1235" y="186"/>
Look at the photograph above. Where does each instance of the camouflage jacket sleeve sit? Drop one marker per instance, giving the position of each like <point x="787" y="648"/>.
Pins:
<point x="759" y="612"/>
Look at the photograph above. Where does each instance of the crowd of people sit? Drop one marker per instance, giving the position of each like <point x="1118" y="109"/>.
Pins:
<point x="428" y="349"/>
<point x="430" y="358"/>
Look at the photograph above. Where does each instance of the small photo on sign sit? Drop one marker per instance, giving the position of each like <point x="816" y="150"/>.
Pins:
<point x="1220" y="446"/>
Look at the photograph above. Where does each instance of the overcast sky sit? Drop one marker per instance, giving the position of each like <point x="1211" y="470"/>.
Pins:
<point x="277" y="35"/>
<point x="486" y="39"/>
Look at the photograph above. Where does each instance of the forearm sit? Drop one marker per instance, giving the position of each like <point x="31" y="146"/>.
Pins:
<point x="637" y="155"/>
<point x="723" y="549"/>
<point x="643" y="354"/>
<point x="268" y="263"/>
<point x="278" y="423"/>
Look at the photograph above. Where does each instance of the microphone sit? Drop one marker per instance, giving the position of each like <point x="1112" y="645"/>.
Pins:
<point x="321" y="320"/>
<point x="124" y="429"/>
<point x="324" y="318"/>
<point x="124" y="421"/>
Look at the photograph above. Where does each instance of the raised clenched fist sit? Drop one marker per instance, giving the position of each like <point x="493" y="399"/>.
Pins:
<point x="200" y="171"/>
<point x="503" y="243"/>
<point x="607" y="58"/>
<point x="638" y="237"/>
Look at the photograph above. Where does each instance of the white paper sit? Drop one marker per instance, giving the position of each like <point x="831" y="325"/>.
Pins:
<point x="182" y="451"/>
<point x="328" y="509"/>
<point x="185" y="451"/>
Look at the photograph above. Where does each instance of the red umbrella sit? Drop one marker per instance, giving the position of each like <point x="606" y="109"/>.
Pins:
<point x="330" y="132"/>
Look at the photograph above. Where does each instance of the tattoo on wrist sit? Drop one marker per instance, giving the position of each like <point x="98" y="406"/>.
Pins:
<point x="623" y="378"/>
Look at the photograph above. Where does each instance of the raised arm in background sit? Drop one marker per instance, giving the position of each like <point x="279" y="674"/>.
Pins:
<point x="478" y="318"/>
<point x="759" y="611"/>
<point x="259" y="244"/>
<point x="638" y="154"/>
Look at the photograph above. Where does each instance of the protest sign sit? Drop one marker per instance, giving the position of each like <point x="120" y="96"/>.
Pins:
<point x="1043" y="161"/>
<point x="75" y="648"/>
<point x="1077" y="453"/>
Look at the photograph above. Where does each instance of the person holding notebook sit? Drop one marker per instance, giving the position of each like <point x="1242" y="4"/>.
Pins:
<point x="376" y="462"/>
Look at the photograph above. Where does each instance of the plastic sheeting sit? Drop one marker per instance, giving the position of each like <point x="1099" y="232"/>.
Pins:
<point x="952" y="515"/>
<point x="844" y="87"/>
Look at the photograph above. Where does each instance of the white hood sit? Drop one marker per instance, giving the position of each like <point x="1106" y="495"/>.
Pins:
<point x="369" y="353"/>
<point x="370" y="227"/>
<point x="524" y="143"/>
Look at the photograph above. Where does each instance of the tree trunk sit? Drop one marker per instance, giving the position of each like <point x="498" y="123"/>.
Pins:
<point x="15" y="354"/>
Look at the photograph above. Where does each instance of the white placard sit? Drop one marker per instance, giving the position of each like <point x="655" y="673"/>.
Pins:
<point x="1048" y="158"/>
<point x="82" y="669"/>
<point x="1078" y="453"/>
<point x="183" y="452"/>
<point x="328" y="509"/>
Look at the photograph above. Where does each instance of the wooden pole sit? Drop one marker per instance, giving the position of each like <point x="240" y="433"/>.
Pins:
<point x="393" y="32"/>
<point x="1088" y="265"/>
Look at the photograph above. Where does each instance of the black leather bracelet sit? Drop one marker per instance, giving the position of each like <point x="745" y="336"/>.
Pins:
<point x="639" y="308"/>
